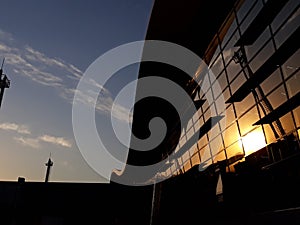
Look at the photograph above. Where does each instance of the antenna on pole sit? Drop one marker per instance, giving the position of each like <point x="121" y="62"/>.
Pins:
<point x="2" y="64"/>
<point x="4" y="82"/>
<point x="49" y="164"/>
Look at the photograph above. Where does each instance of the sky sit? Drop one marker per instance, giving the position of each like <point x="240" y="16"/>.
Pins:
<point x="47" y="46"/>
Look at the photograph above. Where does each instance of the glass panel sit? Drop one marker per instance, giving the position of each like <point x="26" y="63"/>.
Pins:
<point x="205" y="154"/>
<point x="293" y="85"/>
<point x="271" y="82"/>
<point x="287" y="123"/>
<point x="245" y="8"/>
<point x="234" y="149"/>
<point x="190" y="133"/>
<point x="230" y="117"/>
<point x="277" y="97"/>
<point x="229" y="33"/>
<point x="238" y="82"/>
<point x="284" y="13"/>
<point x="253" y="141"/>
<point x="247" y="120"/>
<point x="216" y="145"/>
<point x="262" y="56"/>
<point x="269" y="134"/>
<point x="297" y="116"/>
<point x="202" y="142"/>
<point x="243" y="106"/>
<point x="231" y="135"/>
<point x="292" y="64"/>
<point x="226" y="94"/>
<point x="195" y="159"/>
<point x="198" y="123"/>
<point x="252" y="49"/>
<point x="216" y="54"/>
<point x="217" y="67"/>
<point x="251" y="16"/>
<point x="288" y="29"/>
<point x="221" y="156"/>
<point x="222" y="81"/>
<point x="207" y="115"/>
<point x="214" y="132"/>
<point x="232" y="70"/>
<point x="229" y="50"/>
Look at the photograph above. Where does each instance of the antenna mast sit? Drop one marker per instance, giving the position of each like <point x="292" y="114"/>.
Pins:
<point x="4" y="82"/>
<point x="49" y="164"/>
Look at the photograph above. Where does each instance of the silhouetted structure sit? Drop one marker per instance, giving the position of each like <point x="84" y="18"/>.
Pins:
<point x="4" y="82"/>
<point x="49" y="164"/>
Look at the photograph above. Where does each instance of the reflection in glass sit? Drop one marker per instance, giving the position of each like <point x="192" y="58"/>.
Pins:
<point x="253" y="141"/>
<point x="247" y="120"/>
<point x="277" y="97"/>
<point x="234" y="150"/>
<point x="271" y="82"/>
<point x="293" y="85"/>
<point x="262" y="56"/>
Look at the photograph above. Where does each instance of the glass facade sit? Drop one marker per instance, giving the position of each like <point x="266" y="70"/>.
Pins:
<point x="260" y="83"/>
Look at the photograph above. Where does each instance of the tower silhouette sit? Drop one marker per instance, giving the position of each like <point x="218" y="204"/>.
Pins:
<point x="49" y="164"/>
<point x="4" y="82"/>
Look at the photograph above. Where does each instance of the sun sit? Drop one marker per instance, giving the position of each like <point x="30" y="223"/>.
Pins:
<point x="253" y="141"/>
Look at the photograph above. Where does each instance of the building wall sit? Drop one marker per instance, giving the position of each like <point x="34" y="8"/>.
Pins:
<point x="235" y="134"/>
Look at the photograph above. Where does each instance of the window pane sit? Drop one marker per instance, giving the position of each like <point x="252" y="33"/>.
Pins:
<point x="231" y="135"/>
<point x="287" y="29"/>
<point x="284" y="13"/>
<point x="234" y="149"/>
<point x="247" y="120"/>
<point x="297" y="116"/>
<point x="237" y="83"/>
<point x="271" y="82"/>
<point x="287" y="123"/>
<point x="292" y="64"/>
<point x="262" y="56"/>
<point x="245" y="23"/>
<point x="252" y="49"/>
<point x="230" y="117"/>
<point x="245" y="105"/>
<point x="293" y="85"/>
<point x="277" y="97"/>
<point x="232" y="70"/>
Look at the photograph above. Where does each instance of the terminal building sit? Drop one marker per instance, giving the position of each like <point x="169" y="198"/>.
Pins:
<point x="236" y="164"/>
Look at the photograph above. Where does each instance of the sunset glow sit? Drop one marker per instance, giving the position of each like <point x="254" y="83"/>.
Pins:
<point x="253" y="141"/>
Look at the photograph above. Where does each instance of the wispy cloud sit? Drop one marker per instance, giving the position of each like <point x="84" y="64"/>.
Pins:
<point x="104" y="105"/>
<point x="32" y="140"/>
<point x="29" y="142"/>
<point x="56" y="73"/>
<point x="56" y="140"/>
<point x="37" y="142"/>
<point x="35" y="65"/>
<point x="19" y="128"/>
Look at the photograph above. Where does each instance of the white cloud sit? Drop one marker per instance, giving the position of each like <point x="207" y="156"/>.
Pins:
<point x="19" y="128"/>
<point x="103" y="105"/>
<point x="5" y="36"/>
<point x="56" y="140"/>
<point x="30" y="142"/>
<point x="40" y="68"/>
<point x="36" y="142"/>
<point x="56" y="73"/>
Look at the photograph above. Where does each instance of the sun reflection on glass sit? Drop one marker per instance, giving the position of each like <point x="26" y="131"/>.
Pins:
<point x="253" y="141"/>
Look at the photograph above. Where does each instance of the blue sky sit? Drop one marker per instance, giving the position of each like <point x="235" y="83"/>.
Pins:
<point x="47" y="47"/>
